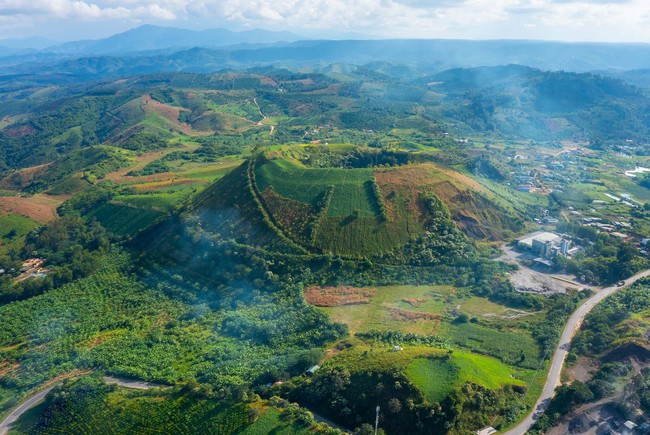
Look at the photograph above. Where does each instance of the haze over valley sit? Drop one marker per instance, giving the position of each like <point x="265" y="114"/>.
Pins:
<point x="388" y="218"/>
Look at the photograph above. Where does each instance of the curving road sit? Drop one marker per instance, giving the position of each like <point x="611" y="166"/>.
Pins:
<point x="572" y="325"/>
<point x="28" y="404"/>
<point x="23" y="408"/>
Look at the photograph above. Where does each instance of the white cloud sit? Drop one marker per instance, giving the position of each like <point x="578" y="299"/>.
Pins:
<point x="82" y="10"/>
<point x="544" y="19"/>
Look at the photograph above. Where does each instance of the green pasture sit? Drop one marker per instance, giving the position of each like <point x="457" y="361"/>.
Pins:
<point x="437" y="377"/>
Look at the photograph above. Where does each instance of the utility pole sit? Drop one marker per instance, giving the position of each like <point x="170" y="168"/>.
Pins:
<point x="377" y="420"/>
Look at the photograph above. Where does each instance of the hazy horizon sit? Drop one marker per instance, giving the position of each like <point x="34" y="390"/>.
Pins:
<point x="550" y="20"/>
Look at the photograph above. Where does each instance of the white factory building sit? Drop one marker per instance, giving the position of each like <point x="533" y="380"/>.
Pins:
<point x="545" y="244"/>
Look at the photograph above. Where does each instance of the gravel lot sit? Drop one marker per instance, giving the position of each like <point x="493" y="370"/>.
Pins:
<point x="531" y="280"/>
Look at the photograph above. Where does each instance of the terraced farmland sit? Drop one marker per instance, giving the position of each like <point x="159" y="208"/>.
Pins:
<point x="308" y="184"/>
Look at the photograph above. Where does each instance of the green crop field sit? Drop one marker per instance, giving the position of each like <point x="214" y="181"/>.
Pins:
<point x="124" y="411"/>
<point x="308" y="185"/>
<point x="207" y="172"/>
<point x="438" y="377"/>
<point x="510" y="347"/>
<point x="69" y="185"/>
<point x="13" y="228"/>
<point x="364" y="358"/>
<point x="427" y="310"/>
<point x="477" y="306"/>
<point x="125" y="220"/>
<point x="153" y="201"/>
<point x="14" y="221"/>
<point x="274" y="422"/>
<point x="351" y="224"/>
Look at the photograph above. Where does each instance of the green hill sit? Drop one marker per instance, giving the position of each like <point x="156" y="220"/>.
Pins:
<point x="347" y="211"/>
<point x="70" y="173"/>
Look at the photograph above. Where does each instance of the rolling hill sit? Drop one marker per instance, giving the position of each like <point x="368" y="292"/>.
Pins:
<point x="347" y="211"/>
<point x="70" y="173"/>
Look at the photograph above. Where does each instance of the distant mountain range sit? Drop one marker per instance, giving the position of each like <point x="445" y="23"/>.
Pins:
<point x="33" y="43"/>
<point x="149" y="37"/>
<point x="149" y="49"/>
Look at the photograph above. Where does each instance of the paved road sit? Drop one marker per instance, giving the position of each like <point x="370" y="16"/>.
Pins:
<point x="572" y="325"/>
<point x="38" y="398"/>
<point x="26" y="406"/>
<point x="321" y="419"/>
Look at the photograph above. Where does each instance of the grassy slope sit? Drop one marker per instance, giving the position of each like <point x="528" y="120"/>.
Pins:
<point x="125" y="220"/>
<point x="161" y="201"/>
<point x="227" y="208"/>
<point x="272" y="422"/>
<point x="14" y="221"/>
<point x="438" y="377"/>
<point x="308" y="185"/>
<point x="377" y="314"/>
<point x="476" y="210"/>
<point x="64" y="175"/>
<point x="351" y="225"/>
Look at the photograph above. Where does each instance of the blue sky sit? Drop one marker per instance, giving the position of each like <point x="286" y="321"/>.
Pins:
<point x="568" y="20"/>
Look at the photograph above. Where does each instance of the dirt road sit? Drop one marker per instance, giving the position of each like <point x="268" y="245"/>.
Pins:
<point x="572" y="325"/>
<point x="128" y="383"/>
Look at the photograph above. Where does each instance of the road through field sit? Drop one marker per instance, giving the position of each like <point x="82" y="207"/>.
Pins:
<point x="572" y="325"/>
<point x="28" y="404"/>
<point x="23" y="408"/>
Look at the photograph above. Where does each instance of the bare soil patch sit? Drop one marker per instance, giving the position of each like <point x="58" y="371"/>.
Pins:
<point x="411" y="316"/>
<point x="41" y="207"/>
<point x="171" y="114"/>
<point x="19" y="131"/>
<point x="414" y="302"/>
<point x="338" y="296"/>
<point x="583" y="370"/>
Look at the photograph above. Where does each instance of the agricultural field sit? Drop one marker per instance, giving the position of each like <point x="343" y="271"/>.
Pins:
<point x="108" y="410"/>
<point x="466" y="199"/>
<point x="125" y="220"/>
<point x="488" y="347"/>
<point x="417" y="309"/>
<point x="155" y="201"/>
<point x="13" y="229"/>
<point x="350" y="192"/>
<point x="273" y="421"/>
<point x="208" y="172"/>
<point x="377" y="210"/>
<point x="225" y="232"/>
<point x="514" y="348"/>
<point x="437" y="377"/>
<point x="39" y="207"/>
<point x="15" y="225"/>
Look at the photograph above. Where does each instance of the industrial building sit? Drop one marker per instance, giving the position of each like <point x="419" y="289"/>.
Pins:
<point x="545" y="244"/>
